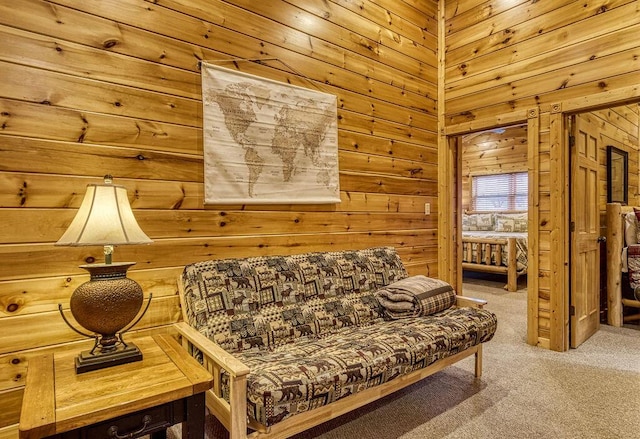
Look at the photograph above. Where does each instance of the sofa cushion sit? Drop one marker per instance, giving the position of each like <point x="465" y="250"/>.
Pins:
<point x="264" y="302"/>
<point x="415" y="296"/>
<point x="314" y="372"/>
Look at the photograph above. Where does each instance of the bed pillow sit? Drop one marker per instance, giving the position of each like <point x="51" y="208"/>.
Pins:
<point x="478" y="222"/>
<point x="486" y="221"/>
<point x="468" y="221"/>
<point x="636" y="211"/>
<point x="511" y="222"/>
<point x="630" y="229"/>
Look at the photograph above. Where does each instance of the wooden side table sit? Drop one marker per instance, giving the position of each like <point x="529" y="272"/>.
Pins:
<point x="127" y="401"/>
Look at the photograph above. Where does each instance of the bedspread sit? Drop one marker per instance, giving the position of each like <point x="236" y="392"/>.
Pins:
<point x="633" y="265"/>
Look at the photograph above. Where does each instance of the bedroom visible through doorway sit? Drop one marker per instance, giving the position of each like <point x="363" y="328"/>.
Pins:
<point x="494" y="198"/>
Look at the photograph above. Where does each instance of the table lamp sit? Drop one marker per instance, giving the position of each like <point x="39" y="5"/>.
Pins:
<point x="109" y="301"/>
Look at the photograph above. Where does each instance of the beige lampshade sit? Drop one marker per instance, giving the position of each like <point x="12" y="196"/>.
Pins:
<point x="104" y="218"/>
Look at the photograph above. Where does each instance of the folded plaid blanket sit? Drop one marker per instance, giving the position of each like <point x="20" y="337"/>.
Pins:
<point x="415" y="296"/>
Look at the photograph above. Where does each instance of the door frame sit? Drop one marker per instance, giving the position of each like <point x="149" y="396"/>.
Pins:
<point x="450" y="213"/>
<point x="559" y="133"/>
<point x="449" y="233"/>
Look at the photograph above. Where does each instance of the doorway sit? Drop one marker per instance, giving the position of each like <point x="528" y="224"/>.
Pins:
<point x="494" y="197"/>
<point x="451" y="209"/>
<point x="593" y="135"/>
<point x="548" y="319"/>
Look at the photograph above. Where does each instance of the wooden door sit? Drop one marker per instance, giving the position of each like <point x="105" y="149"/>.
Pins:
<point x="585" y="227"/>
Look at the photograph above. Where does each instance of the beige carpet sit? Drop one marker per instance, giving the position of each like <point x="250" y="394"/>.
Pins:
<point x="525" y="392"/>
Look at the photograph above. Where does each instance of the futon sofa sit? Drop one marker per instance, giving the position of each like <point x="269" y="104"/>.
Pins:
<point x="293" y="341"/>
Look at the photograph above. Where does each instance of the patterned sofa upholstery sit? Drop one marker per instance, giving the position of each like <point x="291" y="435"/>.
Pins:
<point x="311" y="330"/>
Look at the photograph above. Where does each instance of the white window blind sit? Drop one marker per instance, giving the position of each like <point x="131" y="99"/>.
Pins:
<point x="490" y="193"/>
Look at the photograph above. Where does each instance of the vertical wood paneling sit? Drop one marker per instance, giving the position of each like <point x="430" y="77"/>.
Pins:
<point x="113" y="86"/>
<point x="447" y="200"/>
<point x="559" y="232"/>
<point x="533" y="226"/>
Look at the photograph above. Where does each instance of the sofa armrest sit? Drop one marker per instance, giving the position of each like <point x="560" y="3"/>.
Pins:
<point x="212" y="351"/>
<point x="232" y="414"/>
<point x="470" y="301"/>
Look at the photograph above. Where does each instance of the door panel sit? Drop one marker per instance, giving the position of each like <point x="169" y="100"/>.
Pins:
<point x="585" y="218"/>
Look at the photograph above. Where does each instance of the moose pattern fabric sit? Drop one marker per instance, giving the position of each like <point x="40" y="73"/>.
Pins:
<point x="312" y="373"/>
<point x="311" y="329"/>
<point x="264" y="302"/>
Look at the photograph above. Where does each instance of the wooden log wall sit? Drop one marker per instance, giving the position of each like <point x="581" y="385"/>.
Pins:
<point x="492" y="152"/>
<point x="90" y="87"/>
<point x="619" y="127"/>
<point x="552" y="57"/>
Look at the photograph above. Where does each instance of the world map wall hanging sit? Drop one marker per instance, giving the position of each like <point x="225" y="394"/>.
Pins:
<point x="267" y="142"/>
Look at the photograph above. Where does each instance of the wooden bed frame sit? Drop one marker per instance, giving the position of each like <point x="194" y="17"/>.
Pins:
<point x="615" y="244"/>
<point x="486" y="265"/>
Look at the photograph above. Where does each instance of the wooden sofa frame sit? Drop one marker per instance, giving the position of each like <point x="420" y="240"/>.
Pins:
<point x="233" y="414"/>
<point x="486" y="265"/>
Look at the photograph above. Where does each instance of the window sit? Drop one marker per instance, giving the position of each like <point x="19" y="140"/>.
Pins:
<point x="491" y="193"/>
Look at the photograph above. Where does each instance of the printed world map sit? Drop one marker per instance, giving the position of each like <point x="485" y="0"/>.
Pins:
<point x="267" y="142"/>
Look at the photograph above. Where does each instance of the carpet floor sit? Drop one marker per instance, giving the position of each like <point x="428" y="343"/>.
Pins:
<point x="524" y="392"/>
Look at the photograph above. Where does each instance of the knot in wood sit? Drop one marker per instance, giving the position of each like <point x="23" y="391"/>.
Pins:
<point x="109" y="43"/>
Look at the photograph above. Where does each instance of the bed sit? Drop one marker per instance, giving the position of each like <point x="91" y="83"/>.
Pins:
<point x="495" y="243"/>
<point x="623" y="264"/>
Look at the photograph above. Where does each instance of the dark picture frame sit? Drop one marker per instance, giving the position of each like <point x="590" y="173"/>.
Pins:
<point x="617" y="175"/>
